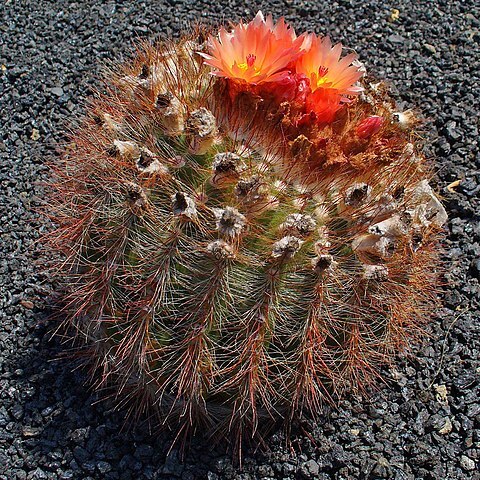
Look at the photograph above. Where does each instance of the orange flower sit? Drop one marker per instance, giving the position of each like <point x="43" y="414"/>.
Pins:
<point x="331" y="78"/>
<point x="256" y="52"/>
<point x="322" y="65"/>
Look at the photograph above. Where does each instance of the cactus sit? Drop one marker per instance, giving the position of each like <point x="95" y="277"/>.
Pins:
<point x="244" y="243"/>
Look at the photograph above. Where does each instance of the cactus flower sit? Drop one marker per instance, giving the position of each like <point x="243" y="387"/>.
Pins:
<point x="322" y="65"/>
<point x="331" y="78"/>
<point x="256" y="52"/>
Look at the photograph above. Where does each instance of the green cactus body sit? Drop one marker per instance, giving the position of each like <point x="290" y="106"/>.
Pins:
<point x="228" y="265"/>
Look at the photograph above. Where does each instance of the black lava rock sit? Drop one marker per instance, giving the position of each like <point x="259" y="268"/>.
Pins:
<point x="423" y="425"/>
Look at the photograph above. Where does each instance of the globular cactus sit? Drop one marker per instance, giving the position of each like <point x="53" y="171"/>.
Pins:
<point x="248" y="228"/>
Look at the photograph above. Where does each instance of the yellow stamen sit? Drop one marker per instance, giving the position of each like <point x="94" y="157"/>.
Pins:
<point x="322" y="81"/>
<point x="320" y="78"/>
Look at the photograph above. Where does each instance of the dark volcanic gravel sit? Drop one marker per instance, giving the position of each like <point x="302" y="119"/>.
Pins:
<point x="425" y="424"/>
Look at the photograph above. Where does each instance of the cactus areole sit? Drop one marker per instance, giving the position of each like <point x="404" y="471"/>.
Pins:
<point x="248" y="229"/>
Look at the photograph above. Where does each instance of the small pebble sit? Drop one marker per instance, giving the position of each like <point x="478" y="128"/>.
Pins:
<point x="467" y="463"/>
<point x="447" y="427"/>
<point x="429" y="48"/>
<point x="58" y="91"/>
<point x="27" y="304"/>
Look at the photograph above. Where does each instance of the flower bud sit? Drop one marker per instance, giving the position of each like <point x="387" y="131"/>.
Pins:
<point x="369" y="126"/>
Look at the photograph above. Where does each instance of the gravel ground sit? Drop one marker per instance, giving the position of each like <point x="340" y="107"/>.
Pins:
<point x="424" y="424"/>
